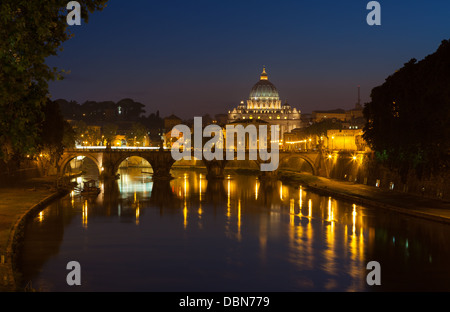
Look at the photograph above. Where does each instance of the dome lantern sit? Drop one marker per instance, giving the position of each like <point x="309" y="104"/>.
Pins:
<point x="264" y="74"/>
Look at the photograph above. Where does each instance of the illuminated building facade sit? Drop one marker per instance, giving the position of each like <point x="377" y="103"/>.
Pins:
<point x="264" y="104"/>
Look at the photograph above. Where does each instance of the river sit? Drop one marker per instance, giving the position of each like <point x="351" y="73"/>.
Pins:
<point x="239" y="234"/>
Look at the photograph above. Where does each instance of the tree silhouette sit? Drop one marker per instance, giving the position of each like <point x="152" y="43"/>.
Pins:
<point x="30" y="31"/>
<point x="409" y="116"/>
<point x="55" y="132"/>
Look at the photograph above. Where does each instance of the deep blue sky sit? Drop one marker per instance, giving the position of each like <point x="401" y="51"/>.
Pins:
<point x="196" y="57"/>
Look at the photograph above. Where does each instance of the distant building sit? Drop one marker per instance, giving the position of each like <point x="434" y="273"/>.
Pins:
<point x="346" y="139"/>
<point x="264" y="104"/>
<point x="248" y="138"/>
<point x="338" y="114"/>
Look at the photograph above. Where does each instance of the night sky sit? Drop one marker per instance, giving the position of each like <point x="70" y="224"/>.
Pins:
<point x="196" y="57"/>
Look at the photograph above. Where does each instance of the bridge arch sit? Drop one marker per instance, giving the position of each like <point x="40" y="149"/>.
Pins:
<point x="109" y="160"/>
<point x="116" y="164"/>
<point x="216" y="167"/>
<point x="285" y="158"/>
<point x="67" y="158"/>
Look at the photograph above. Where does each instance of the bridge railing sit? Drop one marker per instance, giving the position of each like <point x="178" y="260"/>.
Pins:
<point x="113" y="148"/>
<point x="96" y="149"/>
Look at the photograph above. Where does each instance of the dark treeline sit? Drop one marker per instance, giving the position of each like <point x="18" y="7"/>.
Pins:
<point x="100" y="113"/>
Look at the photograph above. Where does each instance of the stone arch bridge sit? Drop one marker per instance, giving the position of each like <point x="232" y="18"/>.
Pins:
<point x="109" y="160"/>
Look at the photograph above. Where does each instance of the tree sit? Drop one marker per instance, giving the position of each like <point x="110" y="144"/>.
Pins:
<point x="138" y="133"/>
<point x="51" y="136"/>
<point x="130" y="110"/>
<point x="109" y="132"/>
<point x="409" y="115"/>
<point x="93" y="136"/>
<point x="69" y="136"/>
<point x="80" y="129"/>
<point x="30" y="31"/>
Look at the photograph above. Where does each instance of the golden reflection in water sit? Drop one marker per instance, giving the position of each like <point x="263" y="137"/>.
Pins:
<point x="330" y="211"/>
<point x="239" y="220"/>
<point x="300" y="200"/>
<point x="339" y="225"/>
<point x="228" y="197"/>
<point x="292" y="211"/>
<point x="200" y="189"/>
<point x="301" y="237"/>
<point x="310" y="208"/>
<point x="72" y="201"/>
<point x="136" y="203"/>
<point x="41" y="216"/>
<point x="137" y="215"/>
<point x="185" y="211"/>
<point x="308" y="235"/>
<point x="356" y="249"/>
<point x="185" y="214"/>
<point x="330" y="251"/>
<point x="200" y="211"/>
<point x="185" y="184"/>
<point x="85" y="214"/>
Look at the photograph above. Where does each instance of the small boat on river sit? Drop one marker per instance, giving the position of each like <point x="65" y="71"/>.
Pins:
<point x="90" y="188"/>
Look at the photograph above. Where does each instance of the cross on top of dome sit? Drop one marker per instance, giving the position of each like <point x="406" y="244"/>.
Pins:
<point x="264" y="75"/>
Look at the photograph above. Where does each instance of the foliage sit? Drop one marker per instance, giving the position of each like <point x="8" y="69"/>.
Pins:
<point x="30" y="31"/>
<point x="51" y="136"/>
<point x="130" y="109"/>
<point x="409" y="116"/>
<point x="137" y="134"/>
<point x="109" y="132"/>
<point x="68" y="140"/>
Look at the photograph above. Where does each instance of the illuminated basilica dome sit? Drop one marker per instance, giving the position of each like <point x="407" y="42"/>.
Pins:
<point x="264" y="94"/>
<point x="264" y="104"/>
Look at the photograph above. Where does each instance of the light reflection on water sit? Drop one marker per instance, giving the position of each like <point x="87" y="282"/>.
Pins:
<point x="239" y="234"/>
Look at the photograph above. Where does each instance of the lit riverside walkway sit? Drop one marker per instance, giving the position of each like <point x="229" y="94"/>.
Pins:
<point x="15" y="202"/>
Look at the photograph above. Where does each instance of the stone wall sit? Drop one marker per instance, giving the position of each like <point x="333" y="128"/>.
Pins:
<point x="365" y="170"/>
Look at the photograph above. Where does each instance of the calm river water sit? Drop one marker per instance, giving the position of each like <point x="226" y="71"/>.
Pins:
<point x="238" y="234"/>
